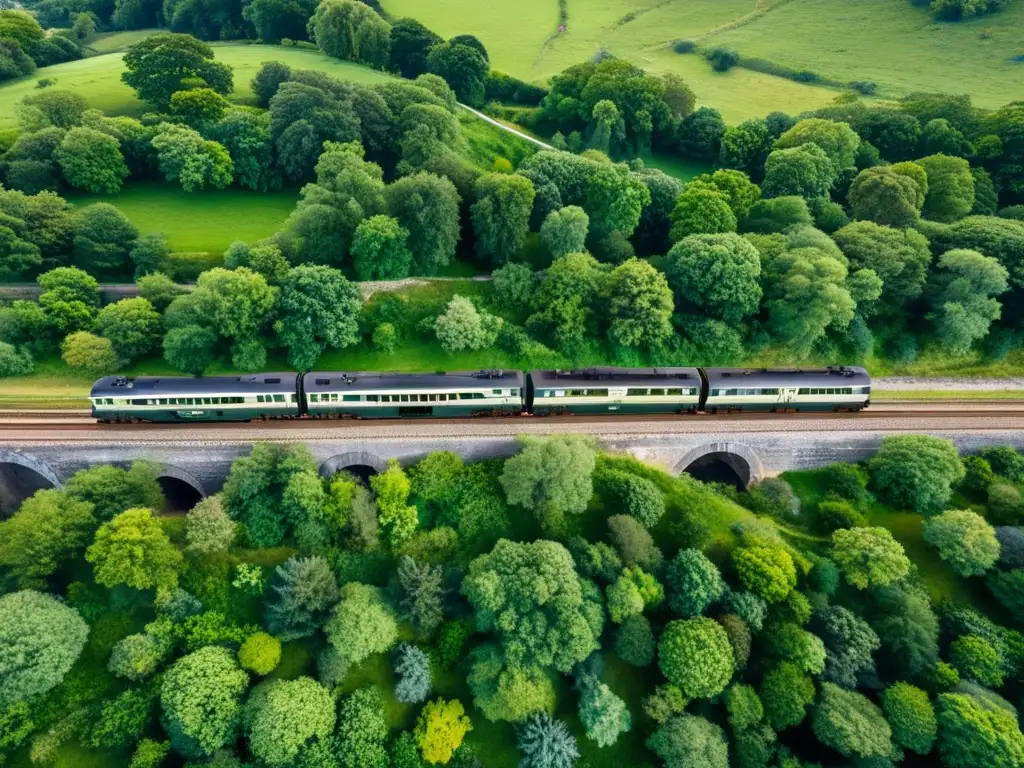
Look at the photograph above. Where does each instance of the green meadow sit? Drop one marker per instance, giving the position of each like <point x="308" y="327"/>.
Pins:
<point x="199" y="221"/>
<point x="895" y="44"/>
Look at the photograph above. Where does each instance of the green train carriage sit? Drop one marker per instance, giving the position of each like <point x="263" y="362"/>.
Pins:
<point x="833" y="388"/>
<point x="615" y="390"/>
<point x="370" y="395"/>
<point x="182" y="399"/>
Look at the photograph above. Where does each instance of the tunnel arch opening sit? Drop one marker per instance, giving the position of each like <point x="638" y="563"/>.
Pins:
<point x="733" y="463"/>
<point x="721" y="467"/>
<point x="17" y="483"/>
<point x="21" y="475"/>
<point x="362" y="464"/>
<point x="180" y="495"/>
<point x="362" y="472"/>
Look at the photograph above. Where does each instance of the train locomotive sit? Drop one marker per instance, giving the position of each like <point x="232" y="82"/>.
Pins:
<point x="487" y="393"/>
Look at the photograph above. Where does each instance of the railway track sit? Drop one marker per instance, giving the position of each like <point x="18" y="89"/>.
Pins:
<point x="53" y="427"/>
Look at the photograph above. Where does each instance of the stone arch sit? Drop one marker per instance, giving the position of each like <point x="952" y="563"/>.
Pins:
<point x="21" y="475"/>
<point x="742" y="459"/>
<point x="353" y="459"/>
<point x="182" y="489"/>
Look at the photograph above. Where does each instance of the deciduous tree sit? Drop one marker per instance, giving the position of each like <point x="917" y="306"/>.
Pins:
<point x="717" y="275"/>
<point x="40" y="640"/>
<point x="916" y="472"/>
<point x="282" y="717"/>
<point x="695" y="655"/>
<point x="964" y="539"/>
<point x="49" y="528"/>
<point x="441" y="727"/>
<point x="201" y="701"/>
<point x="162" y="64"/>
<point x="133" y="549"/>
<point x="91" y="161"/>
<point x="869" y="557"/>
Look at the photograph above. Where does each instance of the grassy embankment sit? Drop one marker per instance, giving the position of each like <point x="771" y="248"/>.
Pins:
<point x="897" y="45"/>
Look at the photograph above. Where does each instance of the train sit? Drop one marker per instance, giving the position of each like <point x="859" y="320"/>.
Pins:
<point x="486" y="393"/>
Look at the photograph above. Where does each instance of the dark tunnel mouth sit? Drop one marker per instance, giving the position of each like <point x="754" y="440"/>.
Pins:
<point x="17" y="483"/>
<point x="362" y="472"/>
<point x="180" y="494"/>
<point x="721" y="467"/>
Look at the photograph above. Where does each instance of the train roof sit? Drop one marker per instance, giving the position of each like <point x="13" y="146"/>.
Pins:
<point x="257" y="383"/>
<point x="620" y="376"/>
<point x="831" y="376"/>
<point x="332" y="381"/>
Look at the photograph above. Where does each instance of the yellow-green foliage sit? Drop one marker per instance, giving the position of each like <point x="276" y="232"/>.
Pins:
<point x="260" y="653"/>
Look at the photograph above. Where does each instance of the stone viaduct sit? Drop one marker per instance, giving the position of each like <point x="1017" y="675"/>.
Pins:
<point x="193" y="469"/>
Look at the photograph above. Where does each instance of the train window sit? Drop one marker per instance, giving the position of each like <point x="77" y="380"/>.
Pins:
<point x="372" y="398"/>
<point x="312" y="398"/>
<point x="636" y="392"/>
<point x="349" y="398"/>
<point x="405" y="398"/>
<point x="675" y="392"/>
<point x="769" y="391"/>
<point x="385" y="398"/>
<point x="514" y="391"/>
<point x="294" y="398"/>
<point x="259" y="398"/>
<point x="597" y="392"/>
<point x="495" y="391"/>
<point x="278" y="398"/>
<point x="433" y="398"/>
<point x="804" y="391"/>
<point x="576" y="392"/>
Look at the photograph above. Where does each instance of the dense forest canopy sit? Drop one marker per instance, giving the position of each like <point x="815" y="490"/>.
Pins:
<point x="561" y="607"/>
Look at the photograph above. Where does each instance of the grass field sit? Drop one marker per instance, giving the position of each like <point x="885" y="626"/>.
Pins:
<point x="895" y="44"/>
<point x="199" y="221"/>
<point x="99" y="78"/>
<point x="109" y="42"/>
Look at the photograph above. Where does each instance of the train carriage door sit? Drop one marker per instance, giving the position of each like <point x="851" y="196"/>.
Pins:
<point x="787" y="395"/>
<point x="616" y="396"/>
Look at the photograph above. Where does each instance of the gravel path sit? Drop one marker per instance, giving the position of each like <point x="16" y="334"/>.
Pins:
<point x="504" y="127"/>
<point x="907" y="383"/>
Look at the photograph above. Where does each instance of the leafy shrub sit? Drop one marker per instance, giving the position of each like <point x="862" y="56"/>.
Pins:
<point x="14" y="362"/>
<point x="1005" y="462"/>
<point x="866" y="87"/>
<point x="964" y="540"/>
<point x="1011" y="546"/>
<point x="385" y="338"/>
<point x="916" y="472"/>
<point x="911" y="717"/>
<point x="1005" y="504"/>
<point x="978" y="476"/>
<point x="723" y="59"/>
<point x="634" y="641"/>
<point x="848" y="481"/>
<point x="636" y="496"/>
<point x="774" y="496"/>
<point x="684" y="46"/>
<point x="260" y="653"/>
<point x="695" y="655"/>
<point x="834" y="515"/>
<point x="185" y="267"/>
<point x="694" y="583"/>
<point x="976" y="659"/>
